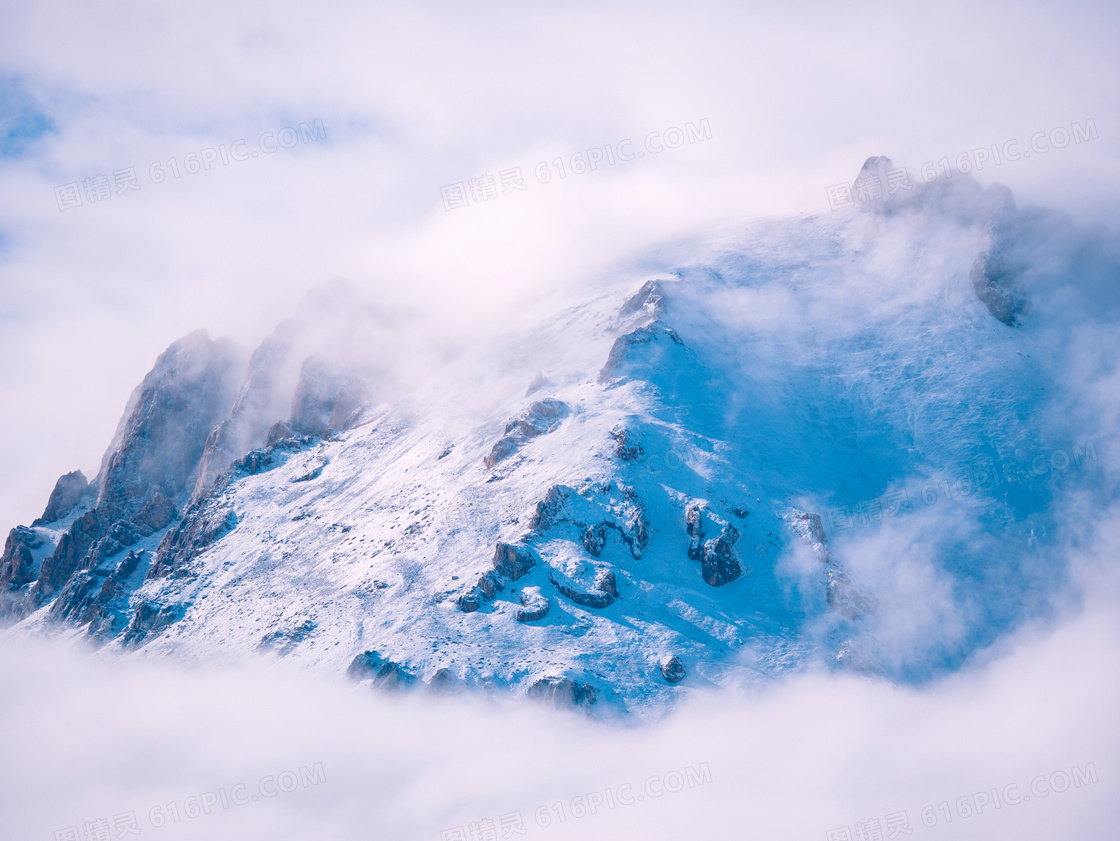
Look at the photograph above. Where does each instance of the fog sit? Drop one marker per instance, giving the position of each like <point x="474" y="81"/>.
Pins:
<point x="415" y="99"/>
<point x="782" y="103"/>
<point x="84" y="739"/>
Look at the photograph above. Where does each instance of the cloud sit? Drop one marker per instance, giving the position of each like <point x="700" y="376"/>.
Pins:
<point x="86" y="738"/>
<point x="415" y="99"/>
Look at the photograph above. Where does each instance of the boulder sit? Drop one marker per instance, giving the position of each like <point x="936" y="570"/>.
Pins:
<point x="534" y="605"/>
<point x="672" y="669"/>
<point x="562" y="692"/>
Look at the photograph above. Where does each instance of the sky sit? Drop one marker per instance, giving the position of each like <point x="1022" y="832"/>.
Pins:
<point x="398" y="102"/>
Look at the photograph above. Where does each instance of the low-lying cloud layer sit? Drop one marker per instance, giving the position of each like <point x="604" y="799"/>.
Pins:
<point x="1025" y="747"/>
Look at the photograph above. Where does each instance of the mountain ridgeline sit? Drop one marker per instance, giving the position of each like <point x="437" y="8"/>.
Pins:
<point x="709" y="477"/>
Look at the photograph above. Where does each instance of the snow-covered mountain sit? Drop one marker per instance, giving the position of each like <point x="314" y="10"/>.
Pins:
<point x="843" y="438"/>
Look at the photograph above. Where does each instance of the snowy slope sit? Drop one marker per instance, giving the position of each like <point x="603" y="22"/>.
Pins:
<point x="812" y="439"/>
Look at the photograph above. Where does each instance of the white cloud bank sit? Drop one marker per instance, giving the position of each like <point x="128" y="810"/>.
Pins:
<point x="86" y="739"/>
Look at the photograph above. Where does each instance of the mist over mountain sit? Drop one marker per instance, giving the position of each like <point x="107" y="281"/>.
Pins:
<point x="853" y="440"/>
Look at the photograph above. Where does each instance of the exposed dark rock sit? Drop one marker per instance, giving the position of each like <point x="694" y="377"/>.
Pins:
<point x="17" y="564"/>
<point x="595" y="538"/>
<point x="694" y="526"/>
<point x="649" y="301"/>
<point x="512" y="561"/>
<point x="72" y="554"/>
<point x="597" y="600"/>
<point x="255" y="462"/>
<point x="157" y="514"/>
<point x="503" y="448"/>
<point x="168" y="421"/>
<point x="444" y="680"/>
<point x="384" y="673"/>
<point x="845" y="599"/>
<point x="811" y="531"/>
<point x="548" y="511"/>
<point x="534" y="605"/>
<point x="541" y="418"/>
<point x="284" y="642"/>
<point x="672" y="669"/>
<point x="149" y="619"/>
<point x="638" y="538"/>
<point x="720" y="563"/>
<point x="469" y="602"/>
<point x="562" y="692"/>
<point x="204" y="524"/>
<point x="605" y="581"/>
<point x="620" y="349"/>
<point x="68" y="493"/>
<point x="996" y="286"/>
<point x="626" y="445"/>
<point x="740" y="512"/>
<point x="97" y="599"/>
<point x="280" y="431"/>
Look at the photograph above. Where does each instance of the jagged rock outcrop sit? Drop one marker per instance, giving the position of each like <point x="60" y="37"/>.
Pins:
<point x="284" y="642"/>
<point x="843" y="597"/>
<point x="648" y="303"/>
<point x="510" y="562"/>
<point x="206" y="522"/>
<point x="994" y="281"/>
<point x="327" y="397"/>
<point x="161" y="441"/>
<point x="541" y="418"/>
<point x="597" y="599"/>
<point x="654" y="336"/>
<point x="719" y="561"/>
<point x="563" y="692"/>
<point x="594" y="511"/>
<point x="627" y="446"/>
<point x="385" y="673"/>
<point x="17" y="564"/>
<point x="444" y="681"/>
<point x="69" y="492"/>
<point x="97" y="599"/>
<point x="149" y="618"/>
<point x="72" y="554"/>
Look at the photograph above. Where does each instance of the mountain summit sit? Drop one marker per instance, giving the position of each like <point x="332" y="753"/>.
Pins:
<point x="764" y="456"/>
